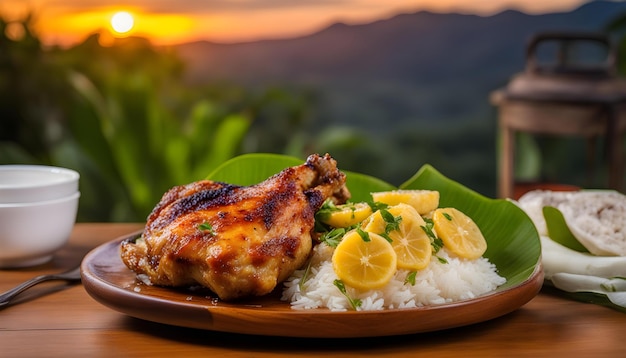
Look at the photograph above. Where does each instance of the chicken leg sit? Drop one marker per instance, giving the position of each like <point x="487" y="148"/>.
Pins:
<point x="235" y="240"/>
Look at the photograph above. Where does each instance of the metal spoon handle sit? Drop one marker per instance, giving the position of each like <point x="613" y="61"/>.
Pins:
<point x="6" y="297"/>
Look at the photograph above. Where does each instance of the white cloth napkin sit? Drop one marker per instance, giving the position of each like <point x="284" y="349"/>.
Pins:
<point x="576" y="272"/>
<point x="595" y="218"/>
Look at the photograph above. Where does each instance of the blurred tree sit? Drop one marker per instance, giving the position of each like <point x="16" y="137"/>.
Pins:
<point x="617" y="29"/>
<point x="152" y="134"/>
<point x="33" y="92"/>
<point x="121" y="115"/>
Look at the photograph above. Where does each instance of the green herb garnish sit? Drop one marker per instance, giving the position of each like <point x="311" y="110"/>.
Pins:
<point x="205" y="226"/>
<point x="410" y="278"/>
<point x="377" y="205"/>
<point x="391" y="223"/>
<point x="305" y="276"/>
<point x="326" y="208"/>
<point x="363" y="234"/>
<point x="323" y="213"/>
<point x="354" y="302"/>
<point x="435" y="242"/>
<point x="333" y="237"/>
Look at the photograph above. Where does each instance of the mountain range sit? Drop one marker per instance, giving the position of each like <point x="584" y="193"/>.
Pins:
<point x="421" y="66"/>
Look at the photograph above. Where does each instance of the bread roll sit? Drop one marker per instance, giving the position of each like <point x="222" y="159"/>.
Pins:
<point x="597" y="218"/>
<point x="533" y="202"/>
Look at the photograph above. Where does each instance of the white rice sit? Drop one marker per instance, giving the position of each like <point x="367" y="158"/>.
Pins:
<point x="439" y="283"/>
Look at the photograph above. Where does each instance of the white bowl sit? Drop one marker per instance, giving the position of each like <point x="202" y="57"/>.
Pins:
<point x="35" y="183"/>
<point x="30" y="233"/>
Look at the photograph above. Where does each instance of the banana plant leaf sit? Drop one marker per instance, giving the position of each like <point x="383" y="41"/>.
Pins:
<point x="586" y="297"/>
<point x="513" y="241"/>
<point x="249" y="169"/>
<point x="558" y="230"/>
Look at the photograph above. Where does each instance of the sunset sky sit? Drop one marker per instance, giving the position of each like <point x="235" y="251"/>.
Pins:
<point x="174" y="21"/>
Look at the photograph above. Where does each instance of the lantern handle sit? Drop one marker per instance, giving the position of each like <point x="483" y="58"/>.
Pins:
<point x="565" y="41"/>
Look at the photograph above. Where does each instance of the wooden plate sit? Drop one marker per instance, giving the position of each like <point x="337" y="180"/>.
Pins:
<point x="109" y="282"/>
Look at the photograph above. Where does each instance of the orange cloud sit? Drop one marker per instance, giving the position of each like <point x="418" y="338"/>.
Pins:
<point x="172" y="21"/>
<point x="73" y="27"/>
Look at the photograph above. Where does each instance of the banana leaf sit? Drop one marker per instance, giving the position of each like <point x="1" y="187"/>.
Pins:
<point x="513" y="241"/>
<point x="249" y="169"/>
<point x="559" y="231"/>
<point x="586" y="297"/>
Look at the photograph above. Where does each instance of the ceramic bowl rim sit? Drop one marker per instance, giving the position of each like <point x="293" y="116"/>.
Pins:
<point x="67" y="176"/>
<point x="75" y="195"/>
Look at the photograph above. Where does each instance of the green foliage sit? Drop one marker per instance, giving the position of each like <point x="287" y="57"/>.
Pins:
<point x="119" y="115"/>
<point x="31" y="95"/>
<point x="123" y="116"/>
<point x="148" y="147"/>
<point x="617" y="28"/>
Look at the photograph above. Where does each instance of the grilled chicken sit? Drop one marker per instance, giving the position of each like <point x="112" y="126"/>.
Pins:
<point x="235" y="240"/>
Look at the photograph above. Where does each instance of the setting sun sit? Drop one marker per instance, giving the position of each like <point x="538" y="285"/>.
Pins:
<point x="122" y="22"/>
<point x="163" y="22"/>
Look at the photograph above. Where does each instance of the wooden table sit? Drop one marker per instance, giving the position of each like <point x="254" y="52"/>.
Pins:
<point x="60" y="320"/>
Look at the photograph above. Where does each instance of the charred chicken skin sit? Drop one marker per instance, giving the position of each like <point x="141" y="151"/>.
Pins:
<point x="235" y="240"/>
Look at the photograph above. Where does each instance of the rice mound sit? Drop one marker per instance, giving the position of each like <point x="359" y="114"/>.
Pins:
<point x="439" y="283"/>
